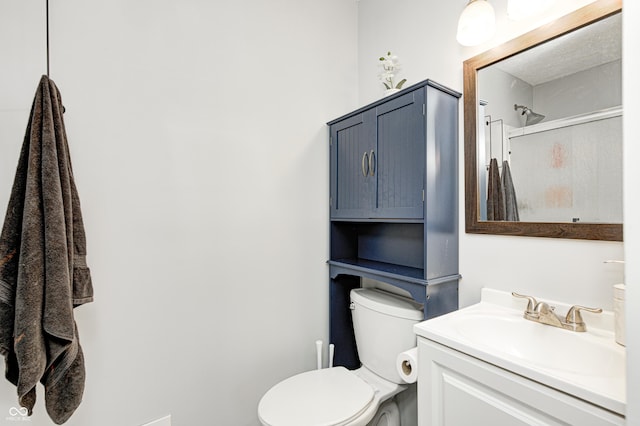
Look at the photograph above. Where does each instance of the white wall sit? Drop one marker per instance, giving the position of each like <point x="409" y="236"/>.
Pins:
<point x="583" y="92"/>
<point x="198" y="140"/>
<point x="502" y="91"/>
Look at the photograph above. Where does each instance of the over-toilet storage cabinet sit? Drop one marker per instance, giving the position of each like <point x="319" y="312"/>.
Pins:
<point x="394" y="204"/>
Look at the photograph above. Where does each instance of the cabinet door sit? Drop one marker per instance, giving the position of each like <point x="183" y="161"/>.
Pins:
<point x="455" y="389"/>
<point x="400" y="158"/>
<point x="351" y="182"/>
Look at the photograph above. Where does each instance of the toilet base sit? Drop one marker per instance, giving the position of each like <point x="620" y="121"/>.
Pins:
<point x="387" y="415"/>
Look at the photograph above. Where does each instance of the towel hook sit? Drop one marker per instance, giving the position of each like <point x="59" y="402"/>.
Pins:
<point x="47" y="13"/>
<point x="47" y="10"/>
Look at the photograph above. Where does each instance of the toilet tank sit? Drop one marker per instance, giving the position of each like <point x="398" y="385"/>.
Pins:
<point x="383" y="327"/>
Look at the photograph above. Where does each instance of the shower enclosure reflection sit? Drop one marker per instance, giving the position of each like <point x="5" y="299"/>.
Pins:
<point x="565" y="159"/>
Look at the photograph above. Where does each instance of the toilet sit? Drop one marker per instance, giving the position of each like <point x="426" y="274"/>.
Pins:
<point x="383" y="326"/>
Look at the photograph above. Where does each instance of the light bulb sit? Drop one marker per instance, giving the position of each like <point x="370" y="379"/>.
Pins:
<point x="477" y="23"/>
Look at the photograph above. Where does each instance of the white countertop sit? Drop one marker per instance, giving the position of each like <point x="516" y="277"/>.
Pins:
<point x="588" y="365"/>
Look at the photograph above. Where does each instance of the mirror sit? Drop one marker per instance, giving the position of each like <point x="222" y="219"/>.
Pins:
<point x="542" y="130"/>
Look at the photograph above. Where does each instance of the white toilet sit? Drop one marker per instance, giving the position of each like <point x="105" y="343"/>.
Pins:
<point x="383" y="326"/>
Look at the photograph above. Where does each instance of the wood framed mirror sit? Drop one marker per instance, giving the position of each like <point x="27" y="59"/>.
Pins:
<point x="475" y="218"/>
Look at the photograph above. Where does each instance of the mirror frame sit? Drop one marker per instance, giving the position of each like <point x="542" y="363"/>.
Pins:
<point x="586" y="231"/>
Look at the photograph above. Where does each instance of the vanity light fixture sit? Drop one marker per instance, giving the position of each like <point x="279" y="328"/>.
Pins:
<point x="477" y="23"/>
<point x="521" y="9"/>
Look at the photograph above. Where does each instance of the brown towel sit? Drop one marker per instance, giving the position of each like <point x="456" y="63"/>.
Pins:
<point x="43" y="273"/>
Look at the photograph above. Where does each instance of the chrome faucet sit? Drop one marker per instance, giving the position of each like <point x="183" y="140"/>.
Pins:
<point x="543" y="313"/>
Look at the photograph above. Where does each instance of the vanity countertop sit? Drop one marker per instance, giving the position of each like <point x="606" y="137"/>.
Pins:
<point x="588" y="365"/>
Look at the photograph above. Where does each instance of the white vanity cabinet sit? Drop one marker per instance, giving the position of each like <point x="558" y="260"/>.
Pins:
<point x="455" y="389"/>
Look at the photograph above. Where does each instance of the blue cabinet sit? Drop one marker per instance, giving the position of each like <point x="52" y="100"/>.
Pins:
<point x="377" y="161"/>
<point x="394" y="204"/>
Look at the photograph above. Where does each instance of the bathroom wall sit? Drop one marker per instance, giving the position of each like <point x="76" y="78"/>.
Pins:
<point x="502" y="91"/>
<point x="165" y="421"/>
<point x="583" y="92"/>
<point x="199" y="145"/>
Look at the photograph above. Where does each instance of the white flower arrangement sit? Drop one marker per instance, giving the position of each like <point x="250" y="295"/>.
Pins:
<point x="390" y="66"/>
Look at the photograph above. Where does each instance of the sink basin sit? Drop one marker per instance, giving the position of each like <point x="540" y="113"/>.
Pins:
<point x="589" y="354"/>
<point x="588" y="365"/>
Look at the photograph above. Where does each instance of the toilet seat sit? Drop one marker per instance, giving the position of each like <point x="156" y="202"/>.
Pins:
<point x="327" y="397"/>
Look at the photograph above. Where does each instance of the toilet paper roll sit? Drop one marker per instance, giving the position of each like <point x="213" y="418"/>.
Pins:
<point x="407" y="365"/>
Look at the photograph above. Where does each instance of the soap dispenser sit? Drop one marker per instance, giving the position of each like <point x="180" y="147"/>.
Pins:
<point x="618" y="309"/>
<point x="618" y="312"/>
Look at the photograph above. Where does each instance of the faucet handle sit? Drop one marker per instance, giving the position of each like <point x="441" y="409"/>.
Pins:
<point x="574" y="318"/>
<point x="531" y="305"/>
<point x="544" y="307"/>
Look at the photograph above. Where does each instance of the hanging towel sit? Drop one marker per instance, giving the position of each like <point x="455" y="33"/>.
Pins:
<point x="43" y="273"/>
<point x="509" y="194"/>
<point x="495" y="202"/>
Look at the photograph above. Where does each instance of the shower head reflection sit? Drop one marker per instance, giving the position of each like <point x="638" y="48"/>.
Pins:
<point x="530" y="116"/>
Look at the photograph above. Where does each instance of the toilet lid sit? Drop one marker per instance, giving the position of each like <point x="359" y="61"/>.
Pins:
<point x="327" y="397"/>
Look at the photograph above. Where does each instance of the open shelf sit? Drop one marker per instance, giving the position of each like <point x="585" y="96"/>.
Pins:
<point x="388" y="270"/>
<point x="391" y="248"/>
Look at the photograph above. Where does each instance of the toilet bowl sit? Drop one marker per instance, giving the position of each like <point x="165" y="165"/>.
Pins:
<point x="383" y="326"/>
<point x="388" y="415"/>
